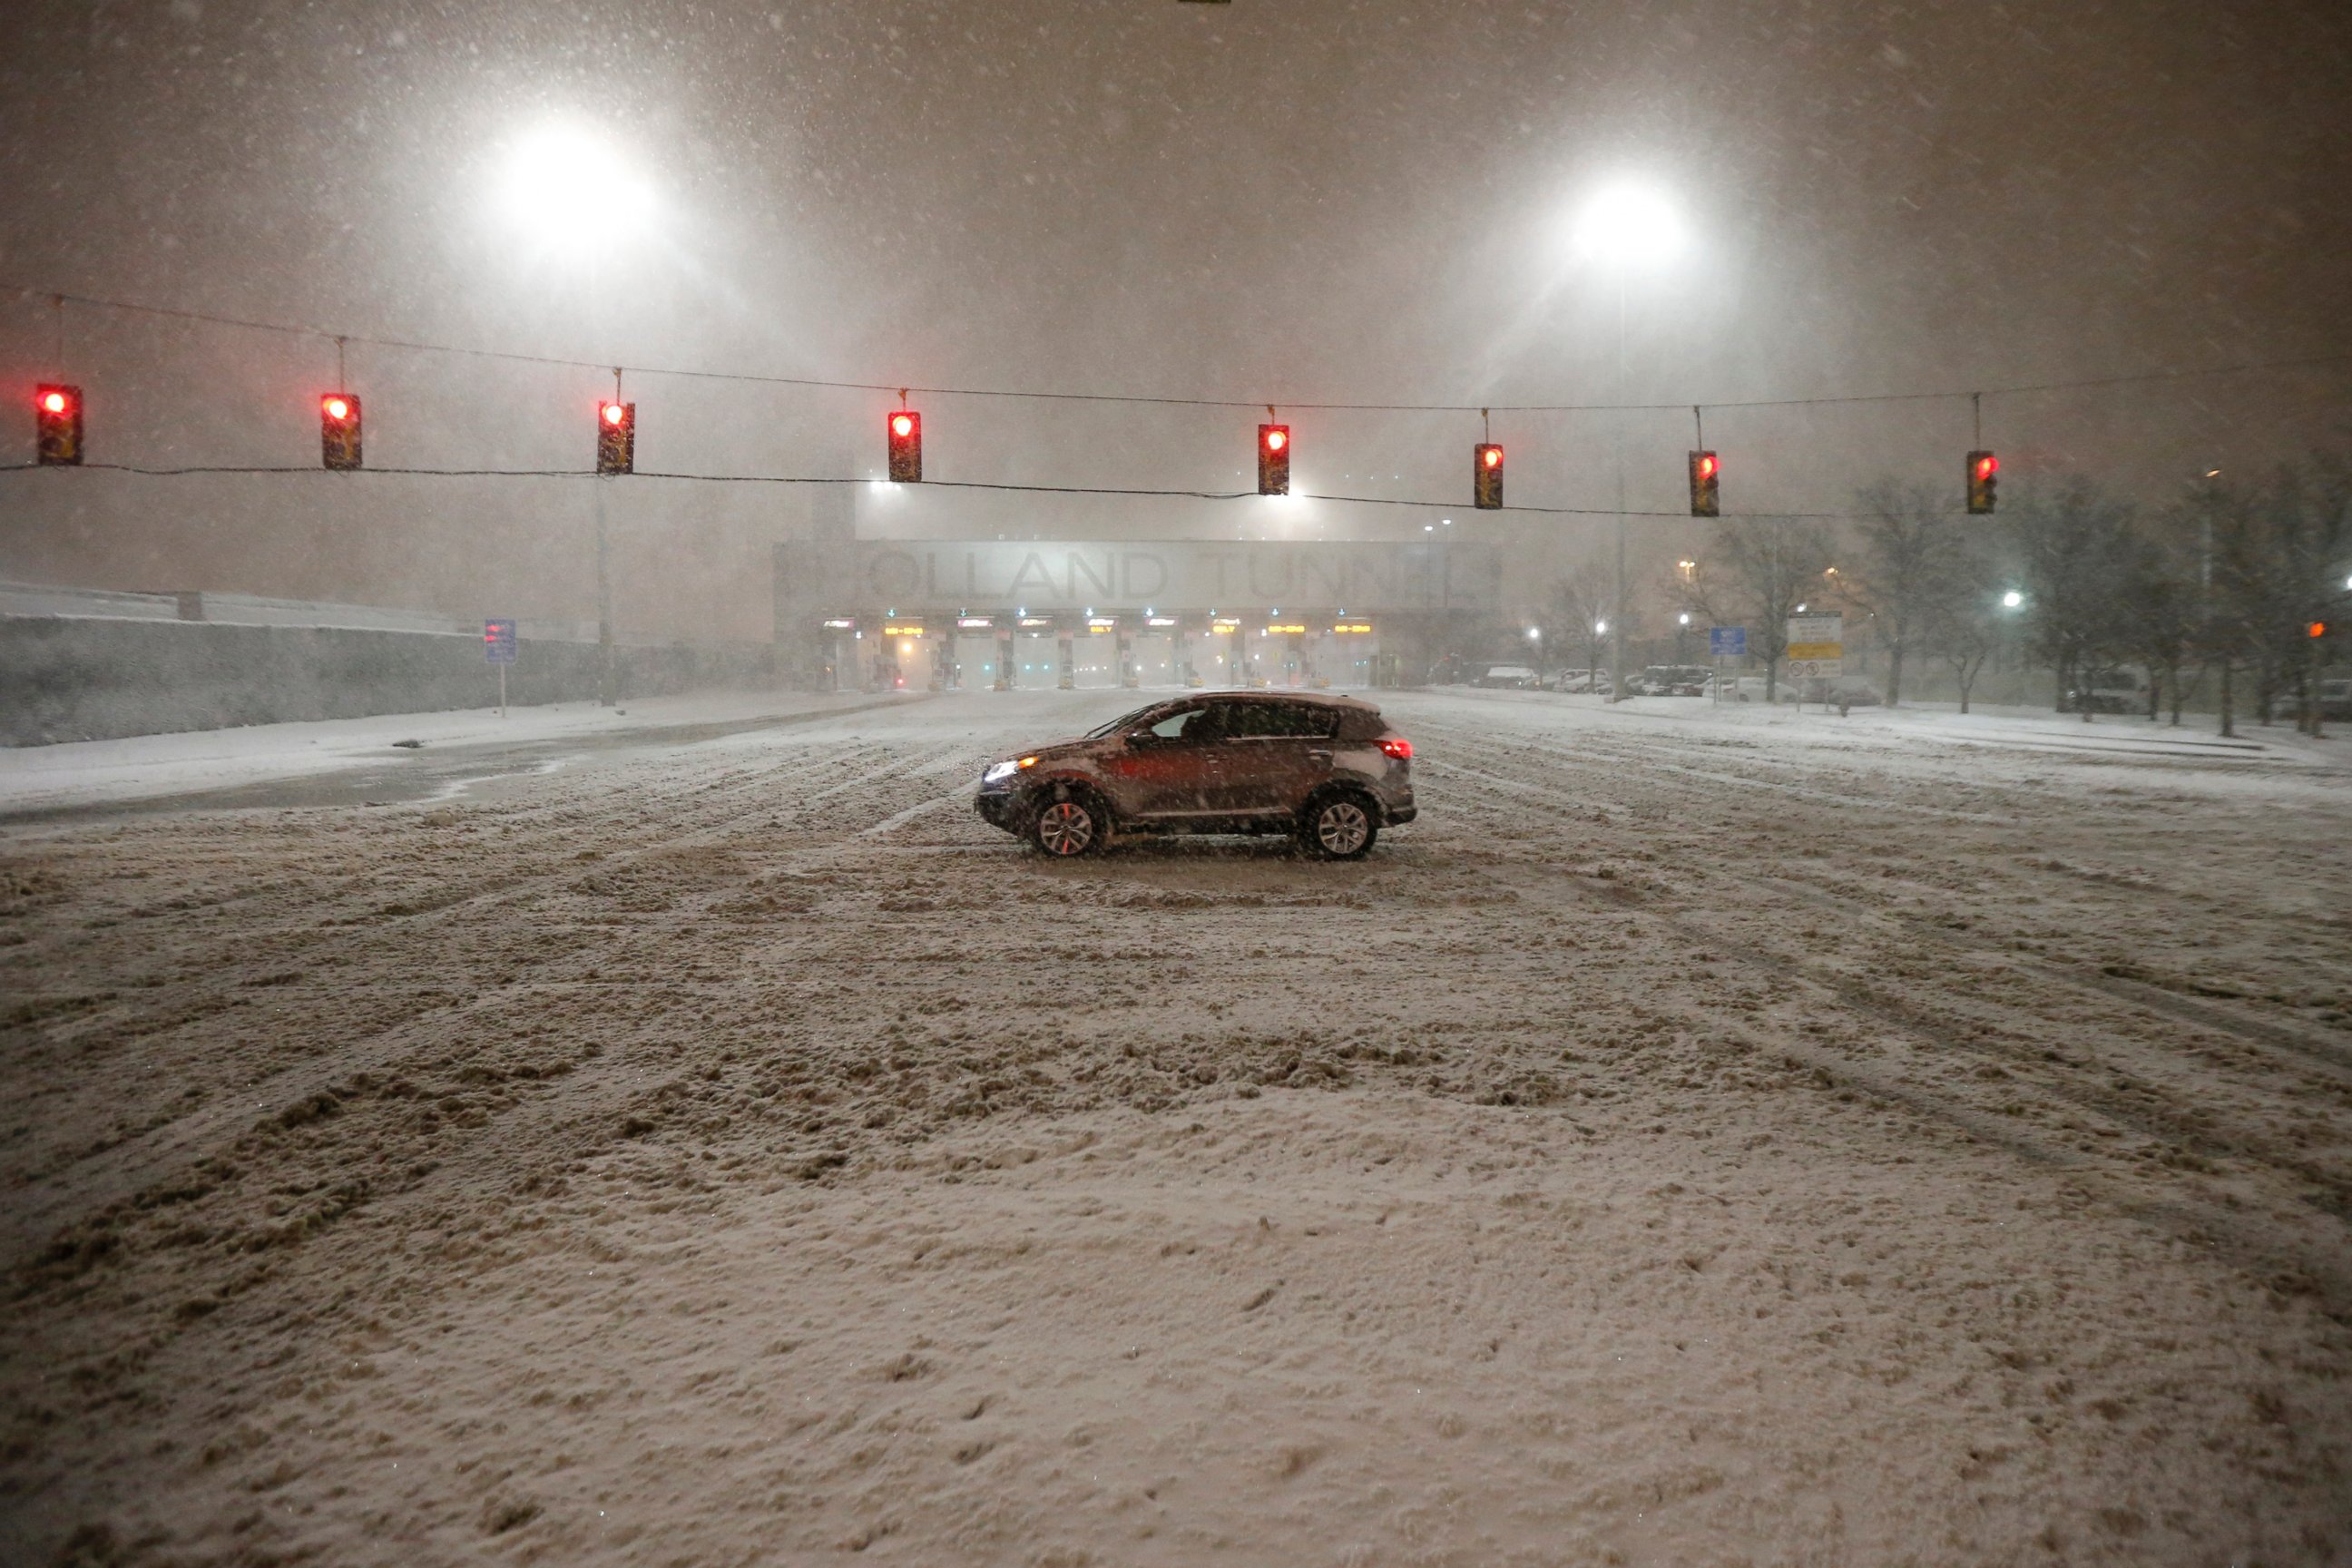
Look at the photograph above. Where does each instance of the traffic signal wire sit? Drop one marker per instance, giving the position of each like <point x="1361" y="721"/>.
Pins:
<point x="927" y="484"/>
<point x="605" y="365"/>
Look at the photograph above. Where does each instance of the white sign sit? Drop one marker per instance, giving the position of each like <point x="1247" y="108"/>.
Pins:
<point x="1806" y="668"/>
<point x="1817" y="639"/>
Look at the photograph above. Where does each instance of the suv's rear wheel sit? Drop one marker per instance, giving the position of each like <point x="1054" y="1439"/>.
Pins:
<point x="1074" y="825"/>
<point x="1339" y="827"/>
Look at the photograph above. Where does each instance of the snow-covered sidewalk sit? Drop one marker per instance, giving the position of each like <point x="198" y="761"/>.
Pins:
<point x="141" y="767"/>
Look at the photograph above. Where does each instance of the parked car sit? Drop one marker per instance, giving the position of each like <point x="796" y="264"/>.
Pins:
<point x="1574" y="680"/>
<point x="1756" y="689"/>
<point x="1324" y="768"/>
<point x="2111" y="690"/>
<point x="2336" y="700"/>
<point x="1832" y="690"/>
<point x="1509" y="677"/>
<point x="1671" y="680"/>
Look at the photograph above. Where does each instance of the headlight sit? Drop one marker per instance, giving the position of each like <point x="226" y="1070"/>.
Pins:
<point x="999" y="770"/>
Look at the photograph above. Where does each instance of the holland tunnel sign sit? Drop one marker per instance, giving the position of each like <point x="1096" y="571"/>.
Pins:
<point x="1358" y="576"/>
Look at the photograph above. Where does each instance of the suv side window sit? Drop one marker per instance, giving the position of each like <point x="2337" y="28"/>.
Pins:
<point x="1278" y="721"/>
<point x="1184" y="724"/>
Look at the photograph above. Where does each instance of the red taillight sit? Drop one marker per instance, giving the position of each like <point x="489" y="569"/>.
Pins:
<point x="1397" y="746"/>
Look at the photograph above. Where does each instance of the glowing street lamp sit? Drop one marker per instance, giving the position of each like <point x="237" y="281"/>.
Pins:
<point x="1629" y="224"/>
<point x="2012" y="599"/>
<point x="571" y="188"/>
<point x="1625" y="226"/>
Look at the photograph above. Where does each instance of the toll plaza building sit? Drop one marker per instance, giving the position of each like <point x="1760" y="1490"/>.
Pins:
<point x="868" y="615"/>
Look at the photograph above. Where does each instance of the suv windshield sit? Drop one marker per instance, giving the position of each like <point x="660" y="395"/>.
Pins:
<point x="1123" y="722"/>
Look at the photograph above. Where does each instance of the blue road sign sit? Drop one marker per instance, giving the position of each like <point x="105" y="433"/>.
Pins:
<point x="498" y="641"/>
<point x="1726" y="642"/>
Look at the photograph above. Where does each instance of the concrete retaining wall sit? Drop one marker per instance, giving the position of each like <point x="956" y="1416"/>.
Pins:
<point x="76" y="678"/>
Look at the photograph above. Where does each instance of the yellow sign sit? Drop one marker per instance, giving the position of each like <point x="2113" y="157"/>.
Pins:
<point x="1816" y="650"/>
<point x="1353" y="628"/>
<point x="894" y="629"/>
<point x="1293" y="630"/>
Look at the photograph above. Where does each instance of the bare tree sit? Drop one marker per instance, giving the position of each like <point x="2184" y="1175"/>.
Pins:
<point x="1908" y="538"/>
<point x="1579" y="605"/>
<point x="2160" y="626"/>
<point x="2073" y="543"/>
<point x="1755" y="573"/>
<point x="1965" y="621"/>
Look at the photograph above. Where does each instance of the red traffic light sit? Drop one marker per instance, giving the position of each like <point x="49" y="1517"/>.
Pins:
<point x="616" y="437"/>
<point x="1983" y="485"/>
<point x="1705" y="485"/>
<point x="57" y="420"/>
<point x="2317" y="629"/>
<point x="1487" y="475"/>
<point x="905" y="429"/>
<point x="338" y="431"/>
<point x="1273" y="459"/>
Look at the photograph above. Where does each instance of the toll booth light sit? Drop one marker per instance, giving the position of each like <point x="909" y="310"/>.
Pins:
<point x="840" y="626"/>
<point x="1160" y="620"/>
<point x="1036" y="620"/>
<point x="975" y="623"/>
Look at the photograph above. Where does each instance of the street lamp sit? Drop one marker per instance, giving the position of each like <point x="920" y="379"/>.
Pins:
<point x="570" y="191"/>
<point x="571" y="188"/>
<point x="2011" y="599"/>
<point x="1622" y="226"/>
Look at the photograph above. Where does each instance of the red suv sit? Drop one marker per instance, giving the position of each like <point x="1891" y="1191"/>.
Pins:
<point x="1326" y="769"/>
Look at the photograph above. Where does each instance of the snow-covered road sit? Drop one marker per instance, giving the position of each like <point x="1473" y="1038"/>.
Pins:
<point x="1701" y="1138"/>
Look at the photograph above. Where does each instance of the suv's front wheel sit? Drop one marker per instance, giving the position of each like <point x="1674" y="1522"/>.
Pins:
<point x="1338" y="827"/>
<point x="1074" y="825"/>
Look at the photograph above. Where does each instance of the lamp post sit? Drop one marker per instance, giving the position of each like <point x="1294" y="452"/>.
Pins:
<point x="1624" y="225"/>
<point x="568" y="192"/>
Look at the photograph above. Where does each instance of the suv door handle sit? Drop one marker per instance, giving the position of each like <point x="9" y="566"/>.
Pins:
<point x="1318" y="756"/>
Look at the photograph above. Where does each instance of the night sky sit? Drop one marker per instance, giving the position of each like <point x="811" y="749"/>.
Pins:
<point x="1322" y="200"/>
